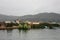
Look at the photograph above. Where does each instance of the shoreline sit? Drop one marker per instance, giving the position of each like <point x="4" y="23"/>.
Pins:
<point x="7" y="28"/>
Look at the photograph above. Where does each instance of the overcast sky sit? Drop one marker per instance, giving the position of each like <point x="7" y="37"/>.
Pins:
<point x="25" y="7"/>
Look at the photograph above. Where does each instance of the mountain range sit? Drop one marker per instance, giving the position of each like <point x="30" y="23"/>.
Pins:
<point x="55" y="17"/>
<point x="7" y="18"/>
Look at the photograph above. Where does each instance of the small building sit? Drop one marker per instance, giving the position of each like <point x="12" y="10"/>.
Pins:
<point x="7" y="21"/>
<point x="17" y="21"/>
<point x="35" y="22"/>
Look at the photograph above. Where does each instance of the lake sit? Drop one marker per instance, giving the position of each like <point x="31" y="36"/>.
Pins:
<point x="33" y="34"/>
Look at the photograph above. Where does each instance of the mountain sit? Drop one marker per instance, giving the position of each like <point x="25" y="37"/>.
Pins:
<point x="55" y="17"/>
<point x="37" y="17"/>
<point x="6" y="17"/>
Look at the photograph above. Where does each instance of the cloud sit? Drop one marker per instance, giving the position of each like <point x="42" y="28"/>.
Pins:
<point x="24" y="7"/>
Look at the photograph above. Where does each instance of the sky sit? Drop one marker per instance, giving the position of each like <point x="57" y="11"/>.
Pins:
<point x="26" y="7"/>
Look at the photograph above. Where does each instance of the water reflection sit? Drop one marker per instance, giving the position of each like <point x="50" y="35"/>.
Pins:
<point x="9" y="34"/>
<point x="25" y="31"/>
<point x="33" y="34"/>
<point x="9" y="31"/>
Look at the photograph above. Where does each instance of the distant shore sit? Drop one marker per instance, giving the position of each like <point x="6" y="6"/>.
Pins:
<point x="25" y="26"/>
<point x="6" y="28"/>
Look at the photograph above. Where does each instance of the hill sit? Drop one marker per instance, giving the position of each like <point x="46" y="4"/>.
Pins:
<point x="6" y="17"/>
<point x="37" y="17"/>
<point x="42" y="17"/>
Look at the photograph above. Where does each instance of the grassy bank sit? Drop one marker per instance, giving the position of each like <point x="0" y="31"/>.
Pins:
<point x="26" y="26"/>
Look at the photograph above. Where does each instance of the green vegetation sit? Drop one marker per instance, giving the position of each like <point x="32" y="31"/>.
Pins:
<point x="24" y="26"/>
<point x="37" y="26"/>
<point x="46" y="25"/>
<point x="41" y="26"/>
<point x="55" y="25"/>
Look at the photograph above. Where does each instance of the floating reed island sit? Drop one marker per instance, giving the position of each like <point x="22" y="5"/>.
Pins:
<point x="28" y="25"/>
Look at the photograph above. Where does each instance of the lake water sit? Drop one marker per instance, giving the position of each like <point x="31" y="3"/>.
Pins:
<point x="33" y="34"/>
